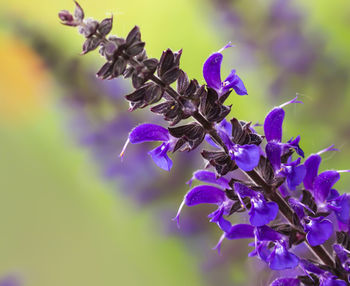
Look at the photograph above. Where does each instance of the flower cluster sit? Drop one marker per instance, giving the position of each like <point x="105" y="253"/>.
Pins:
<point x="287" y="200"/>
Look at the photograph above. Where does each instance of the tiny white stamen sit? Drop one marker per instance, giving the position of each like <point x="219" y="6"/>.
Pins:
<point x="177" y="217"/>
<point x="124" y="148"/>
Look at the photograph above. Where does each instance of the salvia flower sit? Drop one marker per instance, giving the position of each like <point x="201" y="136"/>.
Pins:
<point x="149" y="133"/>
<point x="212" y="75"/>
<point x="267" y="186"/>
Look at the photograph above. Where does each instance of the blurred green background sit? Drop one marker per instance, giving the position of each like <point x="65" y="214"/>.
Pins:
<point x="61" y="224"/>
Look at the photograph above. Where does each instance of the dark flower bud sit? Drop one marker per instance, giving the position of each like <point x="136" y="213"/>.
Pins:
<point x="133" y="36"/>
<point x="177" y="56"/>
<point x="191" y="134"/>
<point x="308" y="199"/>
<point x="151" y="64"/>
<point x="188" y="107"/>
<point x="343" y="238"/>
<point x="89" y="28"/>
<point x="105" y="26"/>
<point x="78" y="12"/>
<point x="137" y="81"/>
<point x="183" y="82"/>
<point x="109" y="50"/>
<point x="147" y="94"/>
<point x="200" y="92"/>
<point x="220" y="161"/>
<point x="166" y="62"/>
<point x="91" y="44"/>
<point x="128" y="72"/>
<point x="105" y="71"/>
<point x="211" y="108"/>
<point x="265" y="169"/>
<point x="237" y="131"/>
<point x="310" y="279"/>
<point x="153" y="94"/>
<point x="287" y="155"/>
<point x="171" y="110"/>
<point x="65" y="16"/>
<point x="135" y="49"/>
<point x="191" y="89"/>
<point x="119" y="66"/>
<point x="170" y="75"/>
<point x="118" y="41"/>
<point x="255" y="139"/>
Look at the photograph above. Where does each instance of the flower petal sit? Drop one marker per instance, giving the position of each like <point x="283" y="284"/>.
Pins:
<point x="319" y="231"/>
<point x="294" y="143"/>
<point x="311" y="164"/>
<point x="262" y="212"/>
<point x="161" y="158"/>
<point x="243" y="190"/>
<point x="210" y="177"/>
<point x="235" y="82"/>
<point x="240" y="231"/>
<point x="148" y="132"/>
<point x="343" y="208"/>
<point x="273" y="153"/>
<point x="281" y="258"/>
<point x="211" y="70"/>
<point x="204" y="195"/>
<point x="323" y="184"/>
<point x="266" y="233"/>
<point x="273" y="125"/>
<point x="296" y="176"/>
<point x="247" y="157"/>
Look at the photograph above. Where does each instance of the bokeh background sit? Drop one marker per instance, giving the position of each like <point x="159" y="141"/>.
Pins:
<point x="70" y="212"/>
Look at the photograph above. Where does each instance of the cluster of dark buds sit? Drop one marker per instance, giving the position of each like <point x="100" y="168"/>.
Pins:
<point x="288" y="202"/>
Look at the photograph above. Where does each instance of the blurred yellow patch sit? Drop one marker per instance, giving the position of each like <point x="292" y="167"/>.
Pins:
<point x="23" y="81"/>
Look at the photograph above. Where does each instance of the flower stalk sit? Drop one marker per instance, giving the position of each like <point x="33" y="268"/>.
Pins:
<point x="276" y="183"/>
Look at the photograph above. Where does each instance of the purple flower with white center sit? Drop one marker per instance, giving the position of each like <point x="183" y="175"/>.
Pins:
<point x="212" y="75"/>
<point x="261" y="212"/>
<point x="149" y="133"/>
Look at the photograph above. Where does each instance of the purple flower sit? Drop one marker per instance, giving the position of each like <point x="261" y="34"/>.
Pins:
<point x="318" y="230"/>
<point x="206" y="194"/>
<point x="209" y="177"/>
<point x="261" y="212"/>
<point x="273" y="124"/>
<point x="281" y="258"/>
<point x="246" y="156"/>
<point x="148" y="133"/>
<point x="212" y="75"/>
<point x="232" y="232"/>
